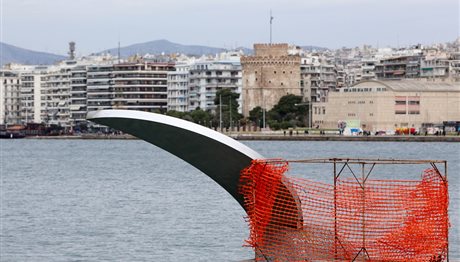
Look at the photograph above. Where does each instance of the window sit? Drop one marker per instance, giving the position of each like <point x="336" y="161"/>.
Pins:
<point x="399" y="102"/>
<point x="414" y="102"/>
<point x="414" y="112"/>
<point x="400" y="112"/>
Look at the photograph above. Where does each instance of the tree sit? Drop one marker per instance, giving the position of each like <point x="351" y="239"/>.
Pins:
<point x="177" y="114"/>
<point x="200" y="116"/>
<point x="229" y="106"/>
<point x="288" y="113"/>
<point x="256" y="115"/>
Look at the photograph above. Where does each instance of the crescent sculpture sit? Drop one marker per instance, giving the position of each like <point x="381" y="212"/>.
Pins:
<point x="216" y="155"/>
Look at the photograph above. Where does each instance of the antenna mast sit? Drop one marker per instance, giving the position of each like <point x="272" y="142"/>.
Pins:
<point x="118" y="50"/>
<point x="271" y="22"/>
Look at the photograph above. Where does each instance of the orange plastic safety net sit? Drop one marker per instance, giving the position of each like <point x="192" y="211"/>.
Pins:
<point x="295" y="219"/>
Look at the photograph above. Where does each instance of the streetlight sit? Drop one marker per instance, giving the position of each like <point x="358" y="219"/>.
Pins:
<point x="309" y="104"/>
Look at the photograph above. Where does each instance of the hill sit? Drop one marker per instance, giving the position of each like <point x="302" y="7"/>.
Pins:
<point x="163" y="46"/>
<point x="14" y="54"/>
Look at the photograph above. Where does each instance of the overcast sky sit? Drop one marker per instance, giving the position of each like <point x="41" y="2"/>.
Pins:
<point x="95" y="25"/>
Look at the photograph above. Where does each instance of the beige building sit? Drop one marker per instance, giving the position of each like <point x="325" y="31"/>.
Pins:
<point x="387" y="105"/>
<point x="269" y="74"/>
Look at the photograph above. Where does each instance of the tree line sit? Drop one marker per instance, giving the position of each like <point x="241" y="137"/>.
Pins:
<point x="288" y="113"/>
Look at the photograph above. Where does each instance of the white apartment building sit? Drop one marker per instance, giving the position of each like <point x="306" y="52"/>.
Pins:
<point x="57" y="108"/>
<point x="206" y="78"/>
<point x="178" y="88"/>
<point x="141" y="86"/>
<point x="322" y="76"/>
<point x="454" y="67"/>
<point x="10" y="102"/>
<point x="78" y="102"/>
<point x="99" y="87"/>
<point x="368" y="69"/>
<point x="434" y="68"/>
<point x="33" y="98"/>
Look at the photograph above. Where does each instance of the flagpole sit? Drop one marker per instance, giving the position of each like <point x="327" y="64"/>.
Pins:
<point x="271" y="22"/>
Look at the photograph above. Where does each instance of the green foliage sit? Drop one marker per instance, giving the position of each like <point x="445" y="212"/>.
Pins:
<point x="289" y="112"/>
<point x="229" y="107"/>
<point x="201" y="117"/>
<point x="211" y="119"/>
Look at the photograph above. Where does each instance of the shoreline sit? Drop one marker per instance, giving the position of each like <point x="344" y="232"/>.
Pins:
<point x="279" y="137"/>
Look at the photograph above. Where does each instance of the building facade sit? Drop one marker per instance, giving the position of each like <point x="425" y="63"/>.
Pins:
<point x="206" y="78"/>
<point x="398" y="67"/>
<point x="388" y="105"/>
<point x="99" y="87"/>
<point x="268" y="75"/>
<point x="178" y="82"/>
<point x="32" y="96"/>
<point x="10" y="99"/>
<point x="78" y="96"/>
<point x="57" y="98"/>
<point x="141" y="86"/>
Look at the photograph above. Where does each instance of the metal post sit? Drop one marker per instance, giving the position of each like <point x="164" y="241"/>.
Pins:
<point x="447" y="211"/>
<point x="364" y="210"/>
<point x="335" y="210"/>
<point x="263" y="118"/>
<point x="220" y="113"/>
<point x="230" y="107"/>
<point x="271" y="22"/>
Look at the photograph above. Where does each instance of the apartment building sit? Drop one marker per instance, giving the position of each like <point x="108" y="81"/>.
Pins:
<point x="322" y="77"/>
<point x="33" y="94"/>
<point x="141" y="86"/>
<point x="206" y="78"/>
<point x="78" y="96"/>
<point x="99" y="87"/>
<point x="10" y="99"/>
<point x="178" y="82"/>
<point x="57" y="107"/>
<point x="398" y="67"/>
<point x="454" y="67"/>
<point x="434" y="68"/>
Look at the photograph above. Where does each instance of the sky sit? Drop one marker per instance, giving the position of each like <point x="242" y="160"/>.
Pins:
<point x="96" y="25"/>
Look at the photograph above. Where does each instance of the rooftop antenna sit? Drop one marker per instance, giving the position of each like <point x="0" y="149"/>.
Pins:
<point x="271" y="22"/>
<point x="71" y="50"/>
<point x="118" y="50"/>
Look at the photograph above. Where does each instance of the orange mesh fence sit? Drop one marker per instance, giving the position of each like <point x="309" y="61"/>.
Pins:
<point x="295" y="219"/>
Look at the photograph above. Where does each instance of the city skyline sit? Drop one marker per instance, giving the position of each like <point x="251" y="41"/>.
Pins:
<point x="96" y="26"/>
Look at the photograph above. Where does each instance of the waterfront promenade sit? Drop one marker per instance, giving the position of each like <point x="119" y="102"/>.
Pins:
<point x="280" y="136"/>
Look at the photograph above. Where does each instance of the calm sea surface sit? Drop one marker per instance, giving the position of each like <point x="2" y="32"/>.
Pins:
<point x="97" y="200"/>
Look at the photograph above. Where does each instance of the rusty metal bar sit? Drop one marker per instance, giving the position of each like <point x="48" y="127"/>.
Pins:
<point x="360" y="161"/>
<point x="340" y="172"/>
<point x="368" y="174"/>
<point x="353" y="173"/>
